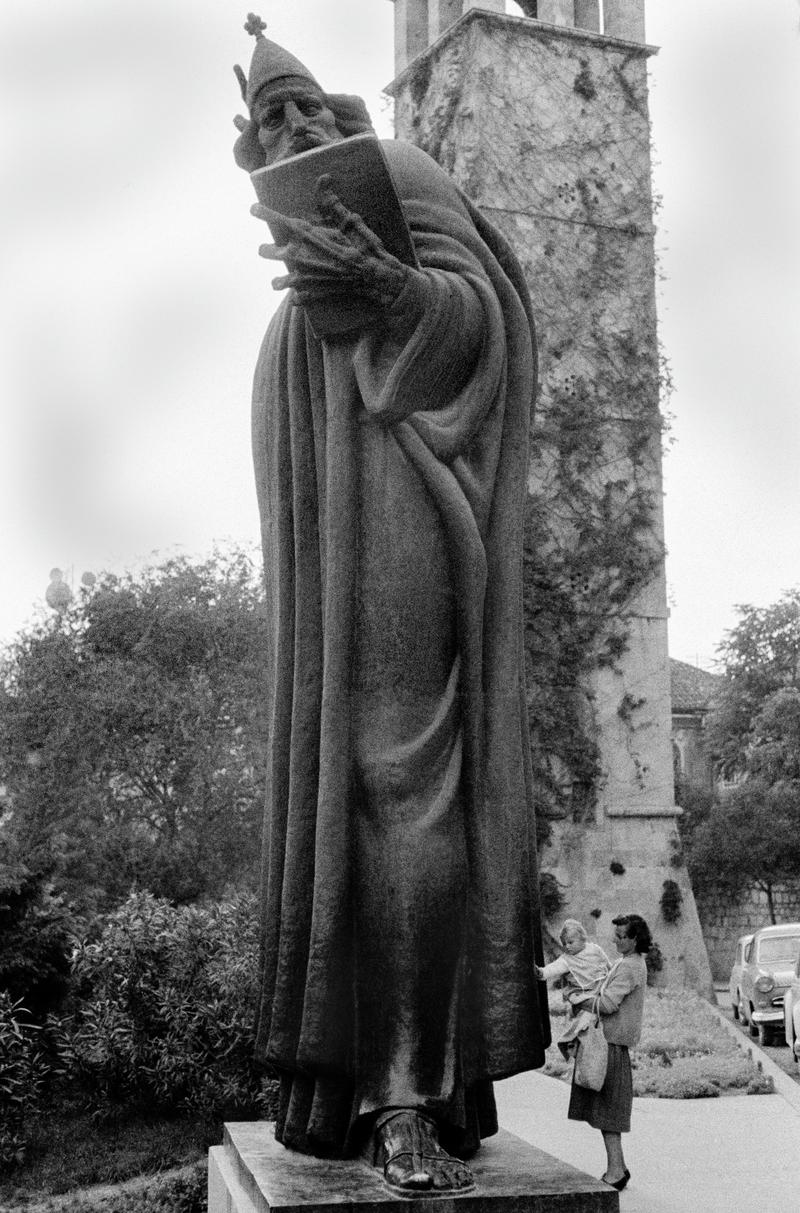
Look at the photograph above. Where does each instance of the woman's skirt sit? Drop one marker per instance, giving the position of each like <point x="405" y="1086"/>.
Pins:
<point x="609" y="1108"/>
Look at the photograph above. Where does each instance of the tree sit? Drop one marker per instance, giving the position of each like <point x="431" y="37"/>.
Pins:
<point x="749" y="839"/>
<point x="774" y="753"/>
<point x="132" y="733"/>
<point x="761" y="656"/>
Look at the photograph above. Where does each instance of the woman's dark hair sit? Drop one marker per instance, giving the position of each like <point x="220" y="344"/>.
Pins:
<point x="636" y="928"/>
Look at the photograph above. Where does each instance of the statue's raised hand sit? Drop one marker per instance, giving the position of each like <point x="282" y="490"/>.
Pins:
<point x="341" y="254"/>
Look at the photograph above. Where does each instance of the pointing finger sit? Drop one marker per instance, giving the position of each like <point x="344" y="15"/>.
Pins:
<point x="273" y="252"/>
<point x="349" y="223"/>
<point x="328" y="202"/>
<point x="278" y="222"/>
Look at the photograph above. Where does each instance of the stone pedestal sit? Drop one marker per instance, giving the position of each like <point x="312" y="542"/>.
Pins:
<point x="252" y="1173"/>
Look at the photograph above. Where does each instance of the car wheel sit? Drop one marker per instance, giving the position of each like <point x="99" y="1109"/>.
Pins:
<point x="751" y="1027"/>
<point x="742" y="1010"/>
<point x="765" y="1036"/>
<point x="735" y="1009"/>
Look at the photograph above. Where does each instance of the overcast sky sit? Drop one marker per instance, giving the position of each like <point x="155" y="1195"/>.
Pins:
<point x="133" y="300"/>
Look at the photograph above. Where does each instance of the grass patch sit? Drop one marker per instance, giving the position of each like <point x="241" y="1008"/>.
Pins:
<point x="68" y="1149"/>
<point x="683" y="1053"/>
<point x="177" y="1193"/>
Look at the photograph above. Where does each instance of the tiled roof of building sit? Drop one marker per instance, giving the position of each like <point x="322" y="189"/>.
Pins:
<point x="692" y="688"/>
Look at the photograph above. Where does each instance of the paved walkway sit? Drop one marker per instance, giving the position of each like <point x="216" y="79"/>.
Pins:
<point x="735" y="1154"/>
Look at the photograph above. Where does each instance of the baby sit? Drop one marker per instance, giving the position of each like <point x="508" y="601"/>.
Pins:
<point x="583" y="964"/>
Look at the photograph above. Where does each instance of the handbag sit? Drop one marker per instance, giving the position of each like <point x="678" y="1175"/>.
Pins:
<point x="591" y="1060"/>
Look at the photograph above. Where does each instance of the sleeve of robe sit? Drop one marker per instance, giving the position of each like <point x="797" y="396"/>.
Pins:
<point x="445" y="370"/>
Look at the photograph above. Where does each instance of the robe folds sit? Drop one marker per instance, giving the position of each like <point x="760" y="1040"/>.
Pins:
<point x="400" y="918"/>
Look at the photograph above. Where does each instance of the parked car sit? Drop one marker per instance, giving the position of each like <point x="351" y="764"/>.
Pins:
<point x="735" y="984"/>
<point x="791" y="1013"/>
<point x="769" y="963"/>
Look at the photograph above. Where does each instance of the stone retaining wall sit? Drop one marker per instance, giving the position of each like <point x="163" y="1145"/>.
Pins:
<point x="724" y="918"/>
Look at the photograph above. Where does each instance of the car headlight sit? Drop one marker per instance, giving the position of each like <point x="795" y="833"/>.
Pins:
<point x="764" y="983"/>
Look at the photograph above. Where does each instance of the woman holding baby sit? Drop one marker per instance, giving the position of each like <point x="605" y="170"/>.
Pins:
<point x="620" y="1001"/>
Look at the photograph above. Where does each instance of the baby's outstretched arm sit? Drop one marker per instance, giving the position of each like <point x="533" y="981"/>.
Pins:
<point x="556" y="968"/>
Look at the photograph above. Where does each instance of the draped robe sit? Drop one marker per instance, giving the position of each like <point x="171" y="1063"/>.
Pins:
<point x="400" y="920"/>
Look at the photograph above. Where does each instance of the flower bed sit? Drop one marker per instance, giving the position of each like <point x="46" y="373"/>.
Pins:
<point x="683" y="1053"/>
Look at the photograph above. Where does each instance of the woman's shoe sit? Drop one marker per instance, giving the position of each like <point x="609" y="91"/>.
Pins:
<point x="619" y="1184"/>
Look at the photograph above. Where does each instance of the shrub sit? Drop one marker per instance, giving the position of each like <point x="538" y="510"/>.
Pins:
<point x="699" y="1077"/>
<point x="671" y="901"/>
<point x="688" y="1087"/>
<point x="166" y="1008"/>
<point x="184" y="1193"/>
<point x="35" y="940"/>
<point x="22" y="1076"/>
<point x="760" y="1084"/>
<point x="551" y="895"/>
<point x="654" y="961"/>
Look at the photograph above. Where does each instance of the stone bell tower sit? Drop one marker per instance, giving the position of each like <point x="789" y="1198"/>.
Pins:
<point x="543" y="121"/>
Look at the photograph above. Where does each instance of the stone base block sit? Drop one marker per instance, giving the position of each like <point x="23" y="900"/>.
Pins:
<point x="252" y="1173"/>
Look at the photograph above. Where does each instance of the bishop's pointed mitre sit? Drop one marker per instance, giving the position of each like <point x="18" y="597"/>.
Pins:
<point x="270" y="62"/>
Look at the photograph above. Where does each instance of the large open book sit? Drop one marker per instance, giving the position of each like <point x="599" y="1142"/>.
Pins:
<point x="361" y="178"/>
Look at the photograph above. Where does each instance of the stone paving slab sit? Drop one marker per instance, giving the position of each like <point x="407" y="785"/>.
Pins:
<point x="736" y="1153"/>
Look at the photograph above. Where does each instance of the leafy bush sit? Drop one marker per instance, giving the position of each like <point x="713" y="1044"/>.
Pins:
<point x="165" y="1011"/>
<point x="184" y="1193"/>
<point x="551" y="895"/>
<point x="689" y="1087"/>
<point x="654" y="960"/>
<point x="700" y="1077"/>
<point x="22" y="1075"/>
<point x="671" y="901"/>
<point x="35" y="939"/>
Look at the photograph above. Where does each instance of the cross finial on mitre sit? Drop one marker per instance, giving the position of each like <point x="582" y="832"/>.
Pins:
<point x="270" y="62"/>
<point x="254" y="25"/>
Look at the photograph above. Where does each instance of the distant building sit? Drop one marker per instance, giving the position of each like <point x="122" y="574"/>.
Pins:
<point x="693" y="691"/>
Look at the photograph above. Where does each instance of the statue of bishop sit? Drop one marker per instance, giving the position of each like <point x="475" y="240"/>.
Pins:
<point x="400" y="915"/>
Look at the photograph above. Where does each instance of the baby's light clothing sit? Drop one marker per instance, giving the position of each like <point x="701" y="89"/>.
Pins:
<point x="582" y="972"/>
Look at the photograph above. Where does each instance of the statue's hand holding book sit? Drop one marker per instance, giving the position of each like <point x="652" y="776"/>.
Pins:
<point x="324" y="260"/>
<point x="339" y="228"/>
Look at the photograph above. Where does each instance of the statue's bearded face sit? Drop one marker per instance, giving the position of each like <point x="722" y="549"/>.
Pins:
<point x="292" y="116"/>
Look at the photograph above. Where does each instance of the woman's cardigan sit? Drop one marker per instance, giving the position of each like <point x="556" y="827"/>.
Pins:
<point x="621" y="1002"/>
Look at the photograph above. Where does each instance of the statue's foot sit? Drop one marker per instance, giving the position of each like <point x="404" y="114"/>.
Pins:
<point x="412" y="1159"/>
